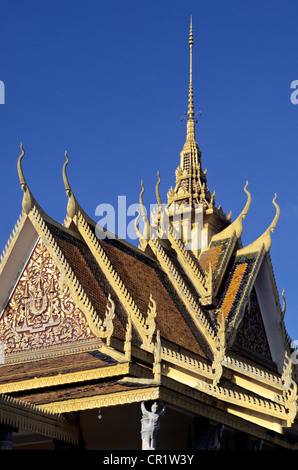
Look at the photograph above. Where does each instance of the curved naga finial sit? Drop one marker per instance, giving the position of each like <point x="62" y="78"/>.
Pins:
<point x="143" y="242"/>
<point x="236" y="226"/>
<point x="247" y="205"/>
<point x="27" y="203"/>
<point x="65" y="179"/>
<point x="276" y="217"/>
<point x="283" y="312"/>
<point x="160" y="214"/>
<point x="140" y="236"/>
<point x="71" y="206"/>
<point x="158" y="198"/>
<point x="146" y="233"/>
<point x="265" y="239"/>
<point x="20" y="170"/>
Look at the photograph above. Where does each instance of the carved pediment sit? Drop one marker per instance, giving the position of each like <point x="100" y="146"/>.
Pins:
<point x="41" y="312"/>
<point x="251" y="334"/>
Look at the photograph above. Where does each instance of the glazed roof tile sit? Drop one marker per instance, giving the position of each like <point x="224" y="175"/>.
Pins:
<point x="236" y="285"/>
<point x="49" y="367"/>
<point x="142" y="277"/>
<point x="104" y="387"/>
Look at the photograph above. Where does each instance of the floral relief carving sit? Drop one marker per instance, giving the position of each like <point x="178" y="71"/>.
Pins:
<point x="41" y="311"/>
<point x="251" y="333"/>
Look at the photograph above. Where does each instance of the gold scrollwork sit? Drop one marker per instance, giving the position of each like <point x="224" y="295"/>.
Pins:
<point x="41" y="311"/>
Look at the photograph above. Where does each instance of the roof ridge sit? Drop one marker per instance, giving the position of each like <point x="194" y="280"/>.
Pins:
<point x="140" y="322"/>
<point x="78" y="293"/>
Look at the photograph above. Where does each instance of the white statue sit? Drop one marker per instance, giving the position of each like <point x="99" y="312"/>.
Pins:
<point x="150" y="425"/>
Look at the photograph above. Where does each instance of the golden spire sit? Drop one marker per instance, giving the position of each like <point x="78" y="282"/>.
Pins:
<point x="190" y="136"/>
<point x="190" y="145"/>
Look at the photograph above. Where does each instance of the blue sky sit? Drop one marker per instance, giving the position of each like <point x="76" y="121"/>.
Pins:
<point x="107" y="81"/>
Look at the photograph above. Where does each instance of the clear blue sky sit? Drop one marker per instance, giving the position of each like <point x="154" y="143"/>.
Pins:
<point x="107" y="80"/>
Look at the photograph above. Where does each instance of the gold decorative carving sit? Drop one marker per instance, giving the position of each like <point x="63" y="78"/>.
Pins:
<point x="289" y="390"/>
<point x="107" y="326"/>
<point x="128" y="338"/>
<point x="219" y="351"/>
<point x="139" y="321"/>
<point x="157" y="358"/>
<point x="150" y="321"/>
<point x="41" y="311"/>
<point x="236" y="227"/>
<point x="189" y="301"/>
<point x="28" y="200"/>
<point x="101" y="401"/>
<point x="65" y="378"/>
<point x="251" y="332"/>
<point x="27" y="416"/>
<point x="265" y="239"/>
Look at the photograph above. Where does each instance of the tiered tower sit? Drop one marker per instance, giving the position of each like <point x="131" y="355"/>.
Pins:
<point x="191" y="195"/>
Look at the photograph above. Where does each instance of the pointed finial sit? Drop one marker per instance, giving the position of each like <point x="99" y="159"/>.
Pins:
<point x="274" y="221"/>
<point x="283" y="312"/>
<point x="20" y="170"/>
<point x="190" y="134"/>
<point x="159" y="202"/>
<point x="265" y="239"/>
<point x="245" y="210"/>
<point x="146" y="233"/>
<point x="72" y="204"/>
<point x="190" y="32"/>
<point x="27" y="202"/>
<point x="65" y="179"/>
<point x="236" y="227"/>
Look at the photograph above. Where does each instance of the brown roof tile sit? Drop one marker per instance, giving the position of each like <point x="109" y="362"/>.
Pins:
<point x="53" y="366"/>
<point x="90" y="276"/>
<point x="143" y="277"/>
<point x="82" y="391"/>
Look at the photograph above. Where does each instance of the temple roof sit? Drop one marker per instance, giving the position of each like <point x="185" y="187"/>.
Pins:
<point x="85" y="317"/>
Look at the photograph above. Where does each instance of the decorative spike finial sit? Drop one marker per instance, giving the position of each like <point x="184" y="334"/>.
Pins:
<point x="236" y="226"/>
<point x="71" y="206"/>
<point x="146" y="233"/>
<point x="245" y="210"/>
<point x="265" y="239"/>
<point x="283" y="312"/>
<point x="190" y="111"/>
<point x="65" y="179"/>
<point x="266" y="236"/>
<point x="158" y="198"/>
<point x="20" y="170"/>
<point x="27" y="203"/>
<point x="190" y="32"/>
<point x="139" y="235"/>
<point x="276" y="217"/>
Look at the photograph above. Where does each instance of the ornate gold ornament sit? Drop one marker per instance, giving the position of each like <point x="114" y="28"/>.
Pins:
<point x="42" y="313"/>
<point x="265" y="239"/>
<point x="220" y="350"/>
